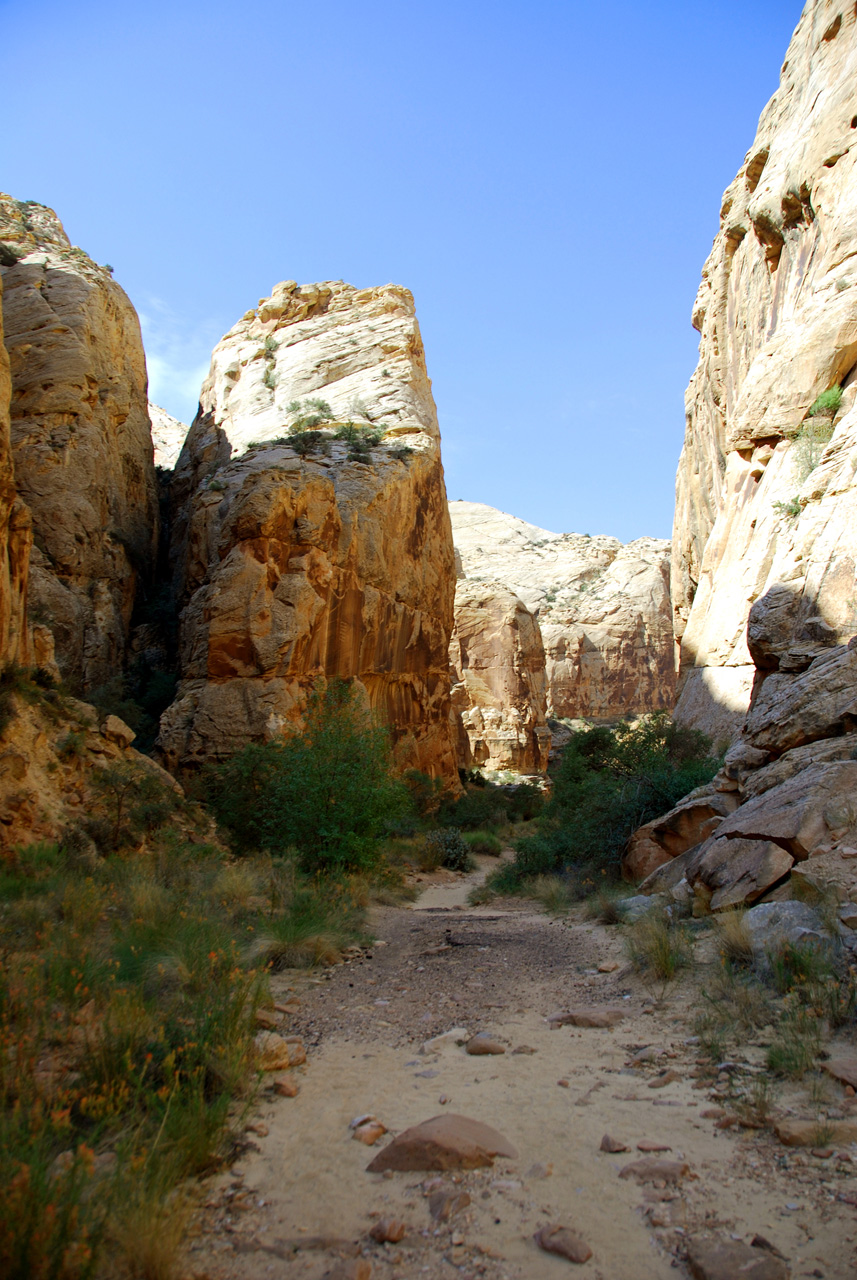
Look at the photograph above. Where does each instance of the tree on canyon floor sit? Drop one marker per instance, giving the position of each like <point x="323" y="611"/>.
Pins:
<point x="610" y="781"/>
<point x="328" y="793"/>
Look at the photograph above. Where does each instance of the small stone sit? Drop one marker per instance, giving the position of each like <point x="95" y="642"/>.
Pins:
<point x="525" y="1048"/>
<point x="822" y="1153"/>
<point x="350" y="1269"/>
<point x="272" y="1052"/>
<point x="539" y="1170"/>
<point x="286" y="1088"/>
<point x="444" y="1205"/>
<point x="843" y="1069"/>
<point x="443" y="1099"/>
<point x="388" y="1231"/>
<point x="564" y="1242"/>
<point x="664" y="1078"/>
<point x="608" y="966"/>
<point x="612" y="1145"/>
<point x="668" y="1172"/>
<point x="455" y="1036"/>
<point x="594" y="1017"/>
<point x="712" y="1113"/>
<point x="260" y="1130"/>
<point x="267" y="1019"/>
<point x="727" y="1259"/>
<point x="563" y="1084"/>
<point x="447" y="1141"/>
<point x="648" y="1145"/>
<point x="369" y="1133"/>
<point x="481" y="1045"/>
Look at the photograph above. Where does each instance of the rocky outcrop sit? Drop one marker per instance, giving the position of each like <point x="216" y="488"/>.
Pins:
<point x="499" y="685"/>
<point x="15" y="532"/>
<point x="603" y="608"/>
<point x="168" y="436"/>
<point x="766" y="513"/>
<point x="80" y="437"/>
<point x="311" y="537"/>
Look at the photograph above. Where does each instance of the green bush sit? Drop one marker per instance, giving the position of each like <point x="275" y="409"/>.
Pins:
<point x="446" y="848"/>
<point x="610" y="782"/>
<point x="309" y="413"/>
<point x="792" y="508"/>
<point x="308" y="441"/>
<point x="484" y="842"/>
<point x="827" y="404"/>
<point x="327" y="792"/>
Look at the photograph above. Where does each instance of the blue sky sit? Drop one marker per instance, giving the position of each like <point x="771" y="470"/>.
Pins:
<point x="545" y="176"/>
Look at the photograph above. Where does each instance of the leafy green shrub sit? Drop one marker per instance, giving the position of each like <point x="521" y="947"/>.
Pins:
<point x="610" y="781"/>
<point x="360" y="440"/>
<point x="309" y="413"/>
<point x="792" y="508"/>
<point x="448" y="846"/>
<point x="328" y="791"/>
<point x="482" y="805"/>
<point x="827" y="404"/>
<point x="307" y="442"/>
<point x="270" y="379"/>
<point x="484" y="842"/>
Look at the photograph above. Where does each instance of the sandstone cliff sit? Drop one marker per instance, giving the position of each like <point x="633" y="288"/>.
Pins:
<point x="15" y="532"/>
<point x="766" y="519"/>
<point x="168" y="436"/>
<point x="311" y="535"/>
<point x="499" y="684"/>
<point x="603" y="608"/>
<point x="765" y="494"/>
<point x="80" y="437"/>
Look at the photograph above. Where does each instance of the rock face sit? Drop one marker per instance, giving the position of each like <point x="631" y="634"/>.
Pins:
<point x="80" y="440"/>
<point x="15" y="532"/>
<point x="325" y="557"/>
<point x="499" y="685"/>
<point x="168" y="436"/>
<point x="765" y="531"/>
<point x="603" y="608"/>
<point x="766" y="520"/>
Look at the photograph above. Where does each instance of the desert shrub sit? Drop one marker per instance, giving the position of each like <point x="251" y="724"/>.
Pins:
<point x="447" y="848"/>
<point x="792" y="508"/>
<point x="809" y="444"/>
<point x="305" y="414"/>
<point x="827" y="404"/>
<point x="307" y="442"/>
<point x="797" y="1043"/>
<point x="484" y="842"/>
<point x="610" y="782"/>
<point x="482" y="805"/>
<point x="328" y="792"/>
<point x="360" y="440"/>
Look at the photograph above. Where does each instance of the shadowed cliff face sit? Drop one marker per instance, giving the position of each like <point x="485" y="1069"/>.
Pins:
<point x="766" y="497"/>
<point x="292" y="568"/>
<point x="15" y="532"/>
<point x="80" y="439"/>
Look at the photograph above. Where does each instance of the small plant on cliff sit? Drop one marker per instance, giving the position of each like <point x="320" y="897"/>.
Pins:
<point x="327" y="792"/>
<point x="307" y="442"/>
<point x="360" y="440"/>
<point x="827" y="404"/>
<point x="792" y="508"/>
<point x="305" y="414"/>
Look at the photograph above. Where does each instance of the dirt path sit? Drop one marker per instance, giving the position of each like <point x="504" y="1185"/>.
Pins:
<point x="299" y="1201"/>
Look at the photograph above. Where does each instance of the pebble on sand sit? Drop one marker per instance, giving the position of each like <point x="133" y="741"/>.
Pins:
<point x="564" y="1242"/>
<point x="612" y="1145"/>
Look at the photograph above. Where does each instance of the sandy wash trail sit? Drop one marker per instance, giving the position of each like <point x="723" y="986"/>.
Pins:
<point x="299" y="1202"/>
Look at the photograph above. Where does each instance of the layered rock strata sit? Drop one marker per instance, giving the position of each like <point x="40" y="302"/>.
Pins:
<point x="603" y="608"/>
<point x="80" y="437"/>
<point x="15" y="532"/>
<point x="313" y="542"/>
<point x="499" y="691"/>
<point x="766" y="501"/>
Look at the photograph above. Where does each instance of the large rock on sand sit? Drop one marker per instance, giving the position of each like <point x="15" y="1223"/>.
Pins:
<point x="445" y="1142"/>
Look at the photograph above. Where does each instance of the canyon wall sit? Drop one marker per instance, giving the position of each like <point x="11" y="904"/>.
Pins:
<point x="15" y="531"/>
<point x="765" y="529"/>
<point x="766" y="520"/>
<point x="603" y="609"/>
<point x="499" y="691"/>
<point x="310" y="541"/>
<point x="81" y="442"/>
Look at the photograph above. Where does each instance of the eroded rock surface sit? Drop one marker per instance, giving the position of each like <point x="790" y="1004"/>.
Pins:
<point x="80" y="437"/>
<point x="499" y="692"/>
<point x="766" y="515"/>
<point x="603" y="608"/>
<point x="336" y="562"/>
<point x="15" y="531"/>
<point x="168" y="436"/>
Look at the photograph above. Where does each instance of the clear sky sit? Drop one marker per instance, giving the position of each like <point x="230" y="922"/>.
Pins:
<point x="544" y="175"/>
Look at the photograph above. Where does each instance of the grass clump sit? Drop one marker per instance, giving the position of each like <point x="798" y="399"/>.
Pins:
<point x="605" y="904"/>
<point x="733" y="938"/>
<point x="327" y="792"/>
<point x="797" y="1043"/>
<point x="827" y="404"/>
<point x="659" y="949"/>
<point x="483" y="842"/>
<point x="553" y="893"/>
<point x="610" y="781"/>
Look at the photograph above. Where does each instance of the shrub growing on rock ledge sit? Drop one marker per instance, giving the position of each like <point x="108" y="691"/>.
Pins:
<point x="328" y="792"/>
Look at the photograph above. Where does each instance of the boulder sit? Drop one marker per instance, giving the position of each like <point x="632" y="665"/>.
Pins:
<point x="691" y="822"/>
<point x="738" y="871"/>
<point x="801" y="813"/>
<point x="773" y="924"/>
<point x="447" y="1141"/>
<point x="807" y="1133"/>
<point x="791" y="763"/>
<point x="116" y="730"/>
<point x="564" y="1242"/>
<point x="821" y="702"/>
<point x="728" y="1259"/>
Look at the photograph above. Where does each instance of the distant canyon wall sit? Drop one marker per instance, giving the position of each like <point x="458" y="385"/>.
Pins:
<point x="765" y="535"/>
<point x="603" y="618"/>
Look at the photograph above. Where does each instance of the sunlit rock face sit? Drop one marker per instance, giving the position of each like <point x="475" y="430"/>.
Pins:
<point x="602" y="607"/>
<point x="81" y="441"/>
<point x="168" y="436"/>
<point x="499" y="688"/>
<point x="15" y="532"/>
<point x="766" y="514"/>
<point x="293" y="568"/>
